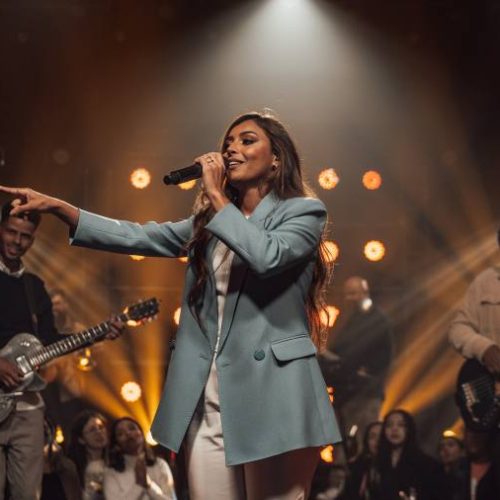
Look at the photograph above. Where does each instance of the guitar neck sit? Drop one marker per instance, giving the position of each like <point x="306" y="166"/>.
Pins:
<point x="70" y="343"/>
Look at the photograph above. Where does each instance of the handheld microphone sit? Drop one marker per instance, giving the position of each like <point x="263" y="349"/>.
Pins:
<point x="185" y="174"/>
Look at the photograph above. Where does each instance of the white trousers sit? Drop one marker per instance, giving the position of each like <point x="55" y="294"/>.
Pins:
<point x="282" y="477"/>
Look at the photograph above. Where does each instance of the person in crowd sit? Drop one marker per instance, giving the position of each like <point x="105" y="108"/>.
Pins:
<point x="480" y="481"/>
<point x="362" y="469"/>
<point x="64" y="395"/>
<point x="244" y="393"/>
<point x="88" y="448"/>
<point x="402" y="470"/>
<point x="134" y="471"/>
<point x="60" y="478"/>
<point x="451" y="453"/>
<point x="364" y="344"/>
<point x="475" y="333"/>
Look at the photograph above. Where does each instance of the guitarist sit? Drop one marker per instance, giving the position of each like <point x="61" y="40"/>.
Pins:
<point x="25" y="307"/>
<point x="475" y="331"/>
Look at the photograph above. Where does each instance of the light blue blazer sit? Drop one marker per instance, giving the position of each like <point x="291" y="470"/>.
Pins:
<point x="272" y="395"/>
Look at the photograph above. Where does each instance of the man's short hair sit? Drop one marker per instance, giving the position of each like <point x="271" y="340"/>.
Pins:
<point x="33" y="217"/>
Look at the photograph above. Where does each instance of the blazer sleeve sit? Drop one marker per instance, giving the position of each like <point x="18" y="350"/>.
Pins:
<point x="152" y="239"/>
<point x="294" y="238"/>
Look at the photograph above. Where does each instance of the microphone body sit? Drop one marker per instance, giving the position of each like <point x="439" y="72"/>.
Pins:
<point x="185" y="174"/>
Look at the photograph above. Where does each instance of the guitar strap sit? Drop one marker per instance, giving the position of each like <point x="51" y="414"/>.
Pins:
<point x="29" y="290"/>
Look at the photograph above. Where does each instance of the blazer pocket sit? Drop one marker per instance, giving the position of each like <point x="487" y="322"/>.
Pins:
<point x="293" y="348"/>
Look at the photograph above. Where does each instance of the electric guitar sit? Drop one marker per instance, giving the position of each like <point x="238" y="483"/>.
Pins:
<point x="478" y="396"/>
<point x="29" y="354"/>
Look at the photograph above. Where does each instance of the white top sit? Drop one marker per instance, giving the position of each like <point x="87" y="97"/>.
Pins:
<point x="122" y="485"/>
<point x="94" y="476"/>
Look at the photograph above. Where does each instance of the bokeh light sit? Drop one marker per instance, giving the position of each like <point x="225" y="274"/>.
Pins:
<point x="137" y="258"/>
<point x="372" y="180"/>
<point x="374" y="250"/>
<point x="329" y="317"/>
<point x="188" y="185"/>
<point x="140" y="178"/>
<point x="131" y="391"/>
<point x="177" y="316"/>
<point x="330" y="251"/>
<point x="328" y="178"/>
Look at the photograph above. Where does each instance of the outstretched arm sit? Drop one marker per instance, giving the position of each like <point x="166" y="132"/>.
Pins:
<point x="33" y="201"/>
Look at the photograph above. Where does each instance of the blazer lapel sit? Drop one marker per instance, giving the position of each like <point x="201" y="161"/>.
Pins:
<point x="260" y="217"/>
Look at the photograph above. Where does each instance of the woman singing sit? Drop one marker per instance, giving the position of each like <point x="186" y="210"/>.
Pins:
<point x="244" y="393"/>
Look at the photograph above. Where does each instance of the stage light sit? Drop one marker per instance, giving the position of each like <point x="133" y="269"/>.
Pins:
<point x="188" y="185"/>
<point x="85" y="361"/>
<point x="59" y="435"/>
<point x="372" y="180"/>
<point x="329" y="316"/>
<point x="450" y="433"/>
<point x="374" y="250"/>
<point x="330" y="251"/>
<point x="130" y="391"/>
<point x="150" y="440"/>
<point x="183" y="259"/>
<point x="140" y="178"/>
<point x="327" y="454"/>
<point x="177" y="316"/>
<point x="331" y="393"/>
<point x="137" y="258"/>
<point x="328" y="178"/>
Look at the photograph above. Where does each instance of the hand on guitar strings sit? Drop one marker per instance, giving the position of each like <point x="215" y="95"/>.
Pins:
<point x="491" y="359"/>
<point x="10" y="374"/>
<point x="117" y="327"/>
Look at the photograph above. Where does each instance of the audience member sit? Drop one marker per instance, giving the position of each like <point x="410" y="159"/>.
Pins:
<point x="362" y="469"/>
<point x="88" y="450"/>
<point x="401" y="468"/>
<point x="134" y="471"/>
<point x="60" y="478"/>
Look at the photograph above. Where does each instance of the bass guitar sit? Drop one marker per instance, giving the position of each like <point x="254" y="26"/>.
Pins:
<point x="29" y="354"/>
<point x="478" y="396"/>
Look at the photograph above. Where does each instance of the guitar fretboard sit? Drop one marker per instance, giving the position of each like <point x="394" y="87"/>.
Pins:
<point x="70" y="343"/>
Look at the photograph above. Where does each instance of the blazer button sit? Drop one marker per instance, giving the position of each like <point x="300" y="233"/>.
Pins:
<point x="259" y="355"/>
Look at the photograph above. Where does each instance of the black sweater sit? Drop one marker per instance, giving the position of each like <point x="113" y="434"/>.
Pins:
<point x="15" y="315"/>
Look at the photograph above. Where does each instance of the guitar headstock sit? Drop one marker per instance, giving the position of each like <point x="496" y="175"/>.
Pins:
<point x="145" y="310"/>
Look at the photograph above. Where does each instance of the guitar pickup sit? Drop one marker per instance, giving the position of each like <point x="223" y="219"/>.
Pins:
<point x="24" y="365"/>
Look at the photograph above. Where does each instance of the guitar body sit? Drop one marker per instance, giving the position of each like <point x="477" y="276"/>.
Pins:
<point x="15" y="351"/>
<point x="28" y="354"/>
<point x="476" y="396"/>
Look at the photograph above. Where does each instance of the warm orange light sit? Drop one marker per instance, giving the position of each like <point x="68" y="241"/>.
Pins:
<point x="327" y="454"/>
<point x="183" y="259"/>
<point x="150" y="440"/>
<point x="328" y="178"/>
<point x="331" y="393"/>
<point x="130" y="391"/>
<point x="372" y="180"/>
<point x="330" y="251"/>
<point x="177" y="316"/>
<point x="188" y="185"/>
<point x="374" y="250"/>
<point x="329" y="316"/>
<point x="137" y="257"/>
<point x="59" y="435"/>
<point x="140" y="178"/>
<point x="85" y="362"/>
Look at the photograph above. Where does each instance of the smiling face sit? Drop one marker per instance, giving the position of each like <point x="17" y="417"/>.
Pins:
<point x="248" y="155"/>
<point x="129" y="437"/>
<point x="16" y="237"/>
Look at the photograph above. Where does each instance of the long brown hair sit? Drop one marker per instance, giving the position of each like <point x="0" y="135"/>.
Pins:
<point x="286" y="182"/>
